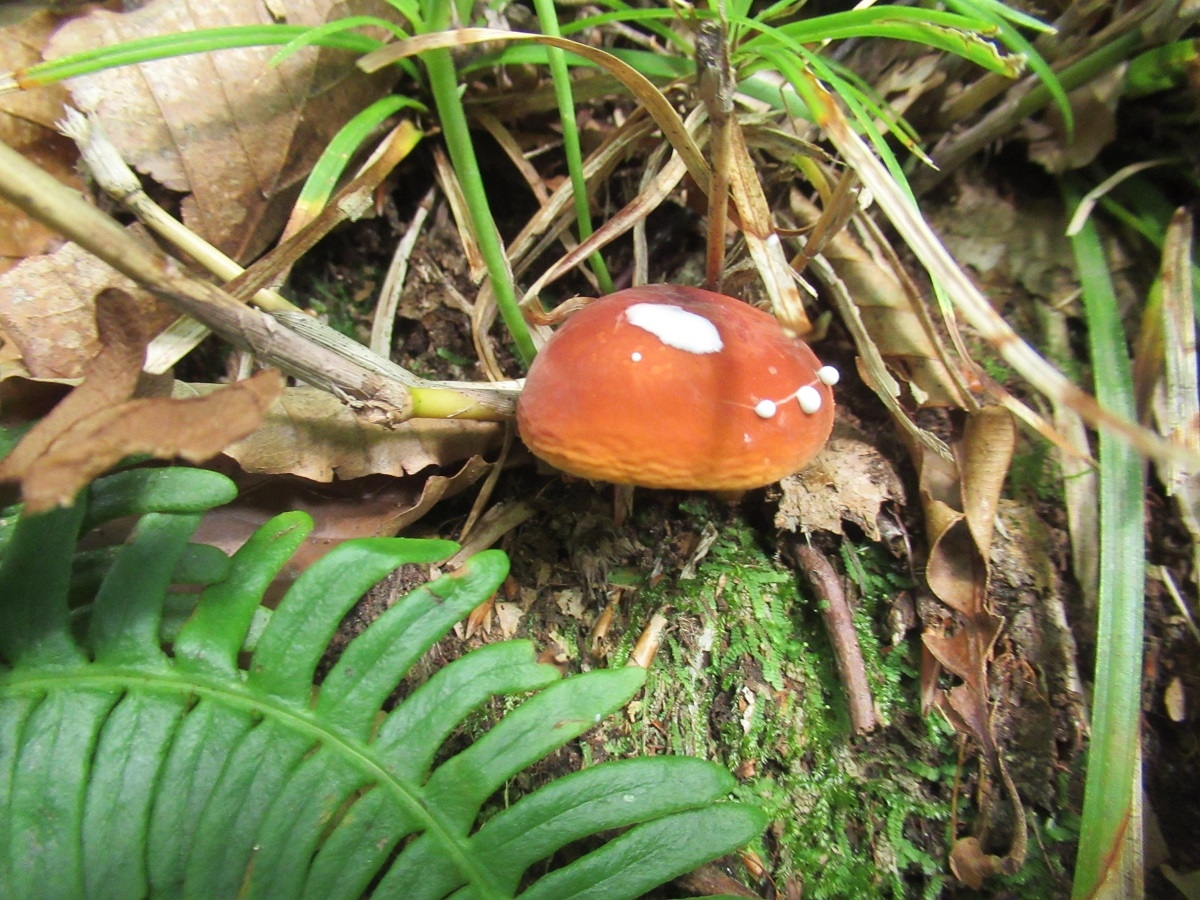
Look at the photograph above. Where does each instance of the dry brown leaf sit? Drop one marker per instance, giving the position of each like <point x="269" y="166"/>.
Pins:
<point x="509" y="616"/>
<point x="27" y="125"/>
<point x="762" y="242"/>
<point x="97" y="426"/>
<point x="195" y="430"/>
<point x="111" y="378"/>
<point x="849" y="481"/>
<point x="971" y="865"/>
<point x="1094" y="108"/>
<point x="225" y="128"/>
<point x="570" y="603"/>
<point x="46" y="309"/>
<point x="1003" y="242"/>
<point x="960" y="500"/>
<point x="377" y="506"/>
<point x="310" y="433"/>
<point x="888" y="312"/>
<point x="989" y="439"/>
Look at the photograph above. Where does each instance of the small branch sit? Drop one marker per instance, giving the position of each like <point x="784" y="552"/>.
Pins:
<point x="839" y="623"/>
<point x="369" y="386"/>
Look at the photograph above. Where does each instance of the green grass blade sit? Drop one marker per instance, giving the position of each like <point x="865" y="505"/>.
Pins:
<point x="651" y="18"/>
<point x="443" y="80"/>
<point x="999" y="15"/>
<point x="548" y="20"/>
<point x="322" y="181"/>
<point x="203" y="40"/>
<point x="1113" y="777"/>
<point x="791" y="70"/>
<point x="313" y="36"/>
<point x="950" y="32"/>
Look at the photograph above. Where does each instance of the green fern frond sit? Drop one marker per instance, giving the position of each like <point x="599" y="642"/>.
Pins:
<point x="135" y="765"/>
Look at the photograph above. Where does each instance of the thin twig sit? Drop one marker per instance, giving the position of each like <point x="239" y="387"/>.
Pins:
<point x="839" y="622"/>
<point x="379" y="397"/>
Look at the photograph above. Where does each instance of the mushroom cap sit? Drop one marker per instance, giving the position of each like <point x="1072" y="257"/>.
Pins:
<point x="666" y="386"/>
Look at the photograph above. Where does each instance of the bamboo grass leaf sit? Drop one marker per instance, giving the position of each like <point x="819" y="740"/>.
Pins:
<point x="1113" y="767"/>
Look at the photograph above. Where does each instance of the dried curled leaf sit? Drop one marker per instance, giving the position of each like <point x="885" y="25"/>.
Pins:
<point x="960" y="500"/>
<point x="46" y="309"/>
<point x="97" y="425"/>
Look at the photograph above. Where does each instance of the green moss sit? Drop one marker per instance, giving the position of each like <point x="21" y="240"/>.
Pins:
<point x="745" y="676"/>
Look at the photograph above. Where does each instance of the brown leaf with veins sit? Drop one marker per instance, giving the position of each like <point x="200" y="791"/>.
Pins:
<point x="376" y="506"/>
<point x="226" y="128"/>
<point x="312" y="434"/>
<point x="848" y="481"/>
<point x="97" y="425"/>
<point x="46" y="310"/>
<point x="27" y="125"/>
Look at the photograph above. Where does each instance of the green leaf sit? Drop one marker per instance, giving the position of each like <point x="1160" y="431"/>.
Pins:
<point x="130" y="768"/>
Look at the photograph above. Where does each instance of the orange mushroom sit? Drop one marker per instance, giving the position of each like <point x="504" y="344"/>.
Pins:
<point x="666" y="386"/>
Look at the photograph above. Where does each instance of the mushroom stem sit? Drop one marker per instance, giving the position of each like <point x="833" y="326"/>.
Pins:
<point x="839" y="622"/>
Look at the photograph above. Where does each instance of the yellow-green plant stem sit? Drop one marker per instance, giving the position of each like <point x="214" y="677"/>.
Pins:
<point x="1113" y="779"/>
<point x="548" y="20"/>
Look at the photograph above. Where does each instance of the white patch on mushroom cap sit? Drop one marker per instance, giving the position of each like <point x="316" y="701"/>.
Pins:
<point x="809" y="399"/>
<point x="765" y="409"/>
<point x="676" y="327"/>
<point x="828" y="375"/>
<point x="635" y="356"/>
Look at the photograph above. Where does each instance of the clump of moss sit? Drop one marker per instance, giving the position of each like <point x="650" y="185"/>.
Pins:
<point x="745" y="676"/>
